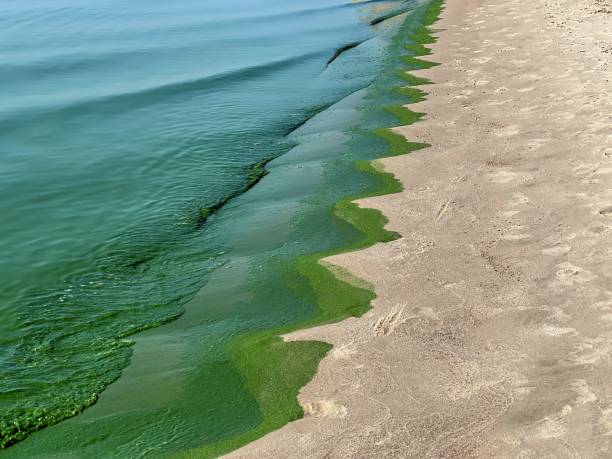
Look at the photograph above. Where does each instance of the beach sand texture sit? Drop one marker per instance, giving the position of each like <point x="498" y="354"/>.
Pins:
<point x="492" y="332"/>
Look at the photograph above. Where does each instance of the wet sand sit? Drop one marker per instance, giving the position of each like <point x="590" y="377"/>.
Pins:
<point x="492" y="332"/>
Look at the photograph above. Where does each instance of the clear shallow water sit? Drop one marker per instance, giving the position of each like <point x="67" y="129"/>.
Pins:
<point x="120" y="124"/>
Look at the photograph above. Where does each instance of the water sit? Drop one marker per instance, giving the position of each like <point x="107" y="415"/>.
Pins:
<point x="122" y="126"/>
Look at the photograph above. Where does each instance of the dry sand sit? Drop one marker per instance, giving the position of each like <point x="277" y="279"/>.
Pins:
<point x="492" y="332"/>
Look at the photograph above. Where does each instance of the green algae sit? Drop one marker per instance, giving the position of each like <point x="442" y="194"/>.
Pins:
<point x="416" y="63"/>
<point x="275" y="370"/>
<point x="413" y="80"/>
<point x="419" y="49"/>
<point x="398" y="145"/>
<point x="413" y="94"/>
<point x="404" y="115"/>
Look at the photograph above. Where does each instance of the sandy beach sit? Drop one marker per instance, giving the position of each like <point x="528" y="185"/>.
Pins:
<point x="492" y="332"/>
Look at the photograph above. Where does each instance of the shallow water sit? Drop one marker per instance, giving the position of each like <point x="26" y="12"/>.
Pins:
<point x="122" y="124"/>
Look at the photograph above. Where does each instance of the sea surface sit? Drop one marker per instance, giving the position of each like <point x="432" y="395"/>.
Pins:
<point x="139" y="232"/>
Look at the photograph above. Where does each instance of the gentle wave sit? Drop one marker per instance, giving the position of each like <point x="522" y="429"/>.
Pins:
<point x="117" y="103"/>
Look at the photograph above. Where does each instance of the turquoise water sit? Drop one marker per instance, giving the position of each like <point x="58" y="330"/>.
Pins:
<point x="123" y="126"/>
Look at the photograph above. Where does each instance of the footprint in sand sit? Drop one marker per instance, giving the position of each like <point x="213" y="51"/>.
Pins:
<point x="508" y="131"/>
<point x="569" y="274"/>
<point x="344" y="352"/>
<point x="555" y="331"/>
<point x="503" y="176"/>
<point x="597" y="230"/>
<point x="387" y="324"/>
<point x="591" y="350"/>
<point x="583" y="392"/>
<point x="325" y="409"/>
<point x="509" y="213"/>
<point x="606" y="211"/>
<point x="556" y="250"/>
<point x="603" y="171"/>
<point x="519" y="199"/>
<point x="585" y="168"/>
<point x="551" y="427"/>
<point x="535" y="144"/>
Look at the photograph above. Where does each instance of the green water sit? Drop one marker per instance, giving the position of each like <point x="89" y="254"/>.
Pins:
<point x="182" y="389"/>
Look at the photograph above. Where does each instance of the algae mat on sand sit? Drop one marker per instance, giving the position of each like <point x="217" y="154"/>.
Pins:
<point x="274" y="370"/>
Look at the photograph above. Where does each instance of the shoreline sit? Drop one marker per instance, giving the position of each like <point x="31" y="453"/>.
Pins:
<point x="266" y="357"/>
<point x="142" y="261"/>
<point x="491" y="328"/>
<point x="124" y="400"/>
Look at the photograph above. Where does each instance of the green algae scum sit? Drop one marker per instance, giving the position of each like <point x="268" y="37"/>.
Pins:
<point x="218" y="374"/>
<point x="274" y="370"/>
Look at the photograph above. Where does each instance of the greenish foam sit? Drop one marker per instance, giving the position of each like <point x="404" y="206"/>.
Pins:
<point x="275" y="370"/>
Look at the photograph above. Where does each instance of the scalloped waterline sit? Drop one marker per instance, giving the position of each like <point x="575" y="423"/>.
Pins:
<point x="275" y="370"/>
